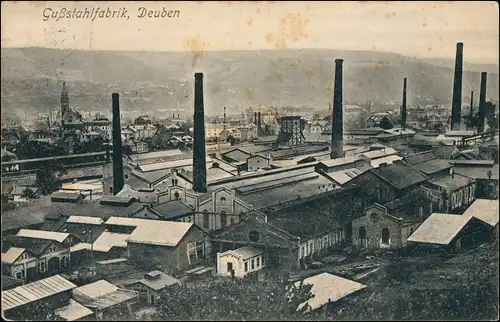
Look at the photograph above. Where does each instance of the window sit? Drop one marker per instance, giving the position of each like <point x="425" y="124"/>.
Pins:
<point x="253" y="264"/>
<point x="385" y="236"/>
<point x="19" y="275"/>
<point x="362" y="232"/>
<point x="254" y="236"/>
<point x="246" y="266"/>
<point x="223" y="219"/>
<point x="175" y="182"/>
<point x="111" y="190"/>
<point x="126" y="176"/>
<point x="411" y="231"/>
<point x="42" y="267"/>
<point x="24" y="256"/>
<point x="176" y="195"/>
<point x="205" y="218"/>
<point x="258" y="262"/>
<point x="223" y="200"/>
<point x="229" y="267"/>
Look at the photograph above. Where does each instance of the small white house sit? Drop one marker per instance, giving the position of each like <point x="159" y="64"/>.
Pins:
<point x="243" y="260"/>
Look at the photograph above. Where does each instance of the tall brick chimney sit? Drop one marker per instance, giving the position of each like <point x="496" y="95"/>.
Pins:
<point x="482" y="100"/>
<point x="259" y="130"/>
<point x="255" y="118"/>
<point x="224" y="115"/>
<point x="199" y="157"/>
<point x="117" y="146"/>
<point x="471" y="110"/>
<point x="337" y="149"/>
<point x="403" y="106"/>
<point x="456" y="105"/>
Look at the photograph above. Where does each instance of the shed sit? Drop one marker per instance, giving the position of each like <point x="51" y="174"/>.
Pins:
<point x="451" y="233"/>
<point x="241" y="261"/>
<point x="328" y="288"/>
<point x="155" y="282"/>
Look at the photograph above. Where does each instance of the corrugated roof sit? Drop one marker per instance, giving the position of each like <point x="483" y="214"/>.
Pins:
<point x="484" y="210"/>
<point x="159" y="232"/>
<point x="94" y="290"/>
<point x="247" y="252"/>
<point x="41" y="234"/>
<point x="102" y="295"/>
<point x="85" y="220"/>
<point x="73" y="311"/>
<point x="123" y="221"/>
<point x="107" y="240"/>
<point x="12" y="254"/>
<point x="35" y="291"/>
<point x="327" y="287"/>
<point x="34" y="245"/>
<point x="439" y="229"/>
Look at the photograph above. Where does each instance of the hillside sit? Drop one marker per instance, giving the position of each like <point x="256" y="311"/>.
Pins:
<point x="31" y="78"/>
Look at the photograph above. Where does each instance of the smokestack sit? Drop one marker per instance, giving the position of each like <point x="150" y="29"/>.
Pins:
<point x="117" y="146"/>
<point x="258" y="125"/>
<point x="471" y="109"/>
<point x="224" y="115"/>
<point x="482" y="101"/>
<point x="173" y="116"/>
<point x="178" y="116"/>
<point x="403" y="106"/>
<point x="255" y="118"/>
<point x="337" y="150"/>
<point x="456" y="105"/>
<point x="199" y="157"/>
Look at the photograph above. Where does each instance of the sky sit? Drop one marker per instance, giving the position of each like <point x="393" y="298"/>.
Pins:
<point x="418" y="29"/>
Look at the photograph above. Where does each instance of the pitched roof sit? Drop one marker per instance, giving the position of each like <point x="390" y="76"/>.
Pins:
<point x="73" y="311"/>
<point x="420" y="157"/>
<point x="34" y="245"/>
<point x="484" y="210"/>
<point x="327" y="287"/>
<point x="85" y="220"/>
<point x="92" y="208"/>
<point x="432" y="166"/>
<point x="161" y="281"/>
<point x="102" y="294"/>
<point x="439" y="229"/>
<point x="247" y="252"/>
<point x="9" y="282"/>
<point x="108" y="240"/>
<point x="156" y="232"/>
<point x="41" y="234"/>
<point x="236" y="154"/>
<point x="12" y="254"/>
<point x="398" y="175"/>
<point x="171" y="209"/>
<point x="451" y="182"/>
<point x="35" y="291"/>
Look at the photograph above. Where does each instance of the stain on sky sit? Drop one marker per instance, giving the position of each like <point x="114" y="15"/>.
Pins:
<point x="293" y="27"/>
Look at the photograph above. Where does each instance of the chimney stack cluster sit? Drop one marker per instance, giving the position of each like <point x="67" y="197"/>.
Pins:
<point x="337" y="144"/>
<point x="482" y="101"/>
<point x="199" y="157"/>
<point x="117" y="146"/>
<point x="456" y="105"/>
<point x="403" y="106"/>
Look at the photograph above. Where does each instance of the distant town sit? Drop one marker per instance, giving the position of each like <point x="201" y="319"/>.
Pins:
<point x="339" y="212"/>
